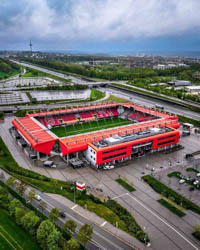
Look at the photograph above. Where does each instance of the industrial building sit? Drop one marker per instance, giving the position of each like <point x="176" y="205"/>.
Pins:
<point x="179" y="83"/>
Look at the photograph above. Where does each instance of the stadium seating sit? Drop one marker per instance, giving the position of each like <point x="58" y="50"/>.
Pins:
<point x="141" y="117"/>
<point x="72" y="118"/>
<point x="86" y="115"/>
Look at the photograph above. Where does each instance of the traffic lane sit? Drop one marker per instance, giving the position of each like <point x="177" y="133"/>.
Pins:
<point x="36" y="203"/>
<point x="60" y="222"/>
<point x="174" y="235"/>
<point x="67" y="77"/>
<point x="149" y="102"/>
<point x="106" y="236"/>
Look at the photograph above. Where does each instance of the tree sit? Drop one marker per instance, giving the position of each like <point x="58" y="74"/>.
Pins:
<point x="85" y="233"/>
<point x="44" y="230"/>
<point x="13" y="205"/>
<point x="197" y="231"/>
<point x="53" y="239"/>
<point x="11" y="182"/>
<point x="21" y="188"/>
<point x="73" y="244"/>
<point x="54" y="182"/>
<point x="54" y="214"/>
<point x="42" y="206"/>
<point x="19" y="213"/>
<point x="30" y="222"/>
<point x="4" y="198"/>
<point x="70" y="227"/>
<point x="2" y="176"/>
<point x="31" y="195"/>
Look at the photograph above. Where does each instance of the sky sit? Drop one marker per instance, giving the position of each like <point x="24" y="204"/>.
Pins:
<point x="100" y="25"/>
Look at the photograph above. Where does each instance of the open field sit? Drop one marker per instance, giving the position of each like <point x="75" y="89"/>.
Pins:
<point x="89" y="126"/>
<point x="12" y="236"/>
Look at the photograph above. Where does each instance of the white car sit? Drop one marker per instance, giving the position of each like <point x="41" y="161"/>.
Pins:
<point x="37" y="197"/>
<point x="108" y="167"/>
<point x="198" y="174"/>
<point x="195" y="182"/>
<point x="181" y="181"/>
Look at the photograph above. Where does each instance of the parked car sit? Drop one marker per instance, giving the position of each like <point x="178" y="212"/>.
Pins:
<point x="49" y="164"/>
<point x="198" y="174"/>
<point x="195" y="182"/>
<point x="108" y="167"/>
<point x="181" y="181"/>
<point x="191" y="188"/>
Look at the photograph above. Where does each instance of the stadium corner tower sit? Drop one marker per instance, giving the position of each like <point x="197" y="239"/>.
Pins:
<point x="105" y="134"/>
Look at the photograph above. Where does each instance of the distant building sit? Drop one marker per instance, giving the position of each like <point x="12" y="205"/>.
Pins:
<point x="196" y="75"/>
<point x="179" y="83"/>
<point x="195" y="90"/>
<point x="159" y="66"/>
<point x="169" y="65"/>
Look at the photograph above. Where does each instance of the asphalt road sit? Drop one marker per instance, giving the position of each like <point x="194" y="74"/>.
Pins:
<point x="101" y="239"/>
<point x="147" y="101"/>
<point x="132" y="97"/>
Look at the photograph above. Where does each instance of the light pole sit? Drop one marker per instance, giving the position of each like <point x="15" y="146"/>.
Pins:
<point x="74" y="192"/>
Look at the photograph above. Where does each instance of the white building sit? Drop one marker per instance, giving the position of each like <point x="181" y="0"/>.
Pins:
<point x="195" y="90"/>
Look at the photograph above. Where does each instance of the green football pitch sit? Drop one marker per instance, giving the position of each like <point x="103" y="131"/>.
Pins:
<point x="86" y="127"/>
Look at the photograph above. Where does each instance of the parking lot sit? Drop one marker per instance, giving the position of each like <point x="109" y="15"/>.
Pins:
<point x="143" y="202"/>
<point x="27" y="82"/>
<point x="60" y="95"/>
<point x="13" y="98"/>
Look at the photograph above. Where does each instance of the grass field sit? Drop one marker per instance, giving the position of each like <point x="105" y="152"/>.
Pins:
<point x="89" y="126"/>
<point x="12" y="236"/>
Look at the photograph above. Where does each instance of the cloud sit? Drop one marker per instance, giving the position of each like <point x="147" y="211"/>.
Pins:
<point x="96" y="20"/>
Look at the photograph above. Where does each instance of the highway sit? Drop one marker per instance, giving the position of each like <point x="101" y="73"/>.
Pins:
<point x="101" y="238"/>
<point x="148" y="101"/>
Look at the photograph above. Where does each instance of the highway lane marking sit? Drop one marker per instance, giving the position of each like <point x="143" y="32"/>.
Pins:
<point x="163" y="221"/>
<point x="104" y="223"/>
<point x="119" y="196"/>
<point x="81" y="223"/>
<point x="74" y="207"/>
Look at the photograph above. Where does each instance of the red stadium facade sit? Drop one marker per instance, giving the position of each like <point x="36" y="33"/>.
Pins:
<point x="149" y="131"/>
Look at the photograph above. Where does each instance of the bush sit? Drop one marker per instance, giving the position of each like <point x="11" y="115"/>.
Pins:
<point x="175" y="173"/>
<point x="171" y="208"/>
<point x="131" y="224"/>
<point x="168" y="192"/>
<point x="125" y="185"/>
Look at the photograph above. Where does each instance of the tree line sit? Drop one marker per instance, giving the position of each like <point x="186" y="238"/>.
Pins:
<point x="43" y="230"/>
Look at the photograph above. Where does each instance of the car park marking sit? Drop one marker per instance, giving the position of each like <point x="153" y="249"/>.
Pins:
<point x="119" y="196"/>
<point x="74" y="207"/>
<point x="166" y="223"/>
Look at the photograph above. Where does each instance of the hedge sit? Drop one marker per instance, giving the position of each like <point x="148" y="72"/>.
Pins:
<point x="192" y="169"/>
<point x="168" y="192"/>
<point x="125" y="185"/>
<point x="171" y="208"/>
<point x="130" y="222"/>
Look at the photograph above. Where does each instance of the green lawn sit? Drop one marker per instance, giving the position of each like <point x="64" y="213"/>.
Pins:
<point x="12" y="236"/>
<point x="89" y="126"/>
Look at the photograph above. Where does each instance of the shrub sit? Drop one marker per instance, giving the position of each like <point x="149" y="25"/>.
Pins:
<point x="168" y="192"/>
<point x="171" y="208"/>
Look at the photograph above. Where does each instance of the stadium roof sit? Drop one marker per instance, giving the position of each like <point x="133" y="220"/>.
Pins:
<point x="42" y="140"/>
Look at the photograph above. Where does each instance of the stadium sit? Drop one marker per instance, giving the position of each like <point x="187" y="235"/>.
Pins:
<point x="104" y="134"/>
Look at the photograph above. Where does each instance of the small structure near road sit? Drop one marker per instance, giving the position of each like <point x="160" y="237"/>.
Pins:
<point x="80" y="185"/>
<point x="179" y="83"/>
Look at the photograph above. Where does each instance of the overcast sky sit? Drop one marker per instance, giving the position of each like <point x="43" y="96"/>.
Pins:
<point x="100" y="25"/>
